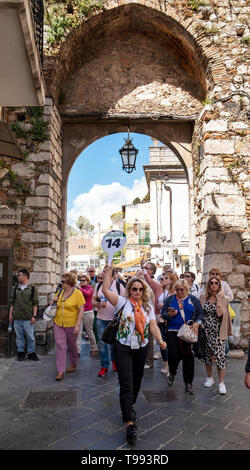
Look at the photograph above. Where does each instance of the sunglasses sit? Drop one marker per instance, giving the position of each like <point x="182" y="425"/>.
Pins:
<point x="214" y="282"/>
<point x="91" y="271"/>
<point x="63" y="282"/>
<point x="83" y="280"/>
<point x="139" y="289"/>
<point x="214" y="274"/>
<point x="187" y="275"/>
<point x="161" y="279"/>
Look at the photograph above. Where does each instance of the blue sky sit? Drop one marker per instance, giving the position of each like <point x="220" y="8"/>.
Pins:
<point x="98" y="185"/>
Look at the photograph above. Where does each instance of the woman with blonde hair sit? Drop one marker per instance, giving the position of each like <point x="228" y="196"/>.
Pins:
<point x="218" y="327"/>
<point x="131" y="344"/>
<point x="67" y="323"/>
<point x="180" y="307"/>
<point x="162" y="290"/>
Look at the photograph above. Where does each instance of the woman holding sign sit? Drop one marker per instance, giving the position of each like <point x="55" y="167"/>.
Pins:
<point x="131" y="344"/>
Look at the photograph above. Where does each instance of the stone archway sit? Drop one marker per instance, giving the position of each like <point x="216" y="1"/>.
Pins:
<point x="152" y="67"/>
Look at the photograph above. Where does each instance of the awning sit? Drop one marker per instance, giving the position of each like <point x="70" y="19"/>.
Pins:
<point x="128" y="264"/>
<point x="8" y="144"/>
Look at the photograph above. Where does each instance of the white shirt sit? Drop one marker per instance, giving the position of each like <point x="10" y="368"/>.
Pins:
<point x="127" y="324"/>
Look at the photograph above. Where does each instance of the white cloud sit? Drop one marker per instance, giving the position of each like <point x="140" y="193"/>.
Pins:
<point x="104" y="200"/>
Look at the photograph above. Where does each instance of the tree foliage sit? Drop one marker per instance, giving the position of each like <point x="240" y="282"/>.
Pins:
<point x="63" y="16"/>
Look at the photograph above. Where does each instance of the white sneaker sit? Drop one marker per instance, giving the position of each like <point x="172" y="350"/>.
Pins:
<point x="157" y="355"/>
<point x="209" y="382"/>
<point x="164" y="369"/>
<point x="222" y="388"/>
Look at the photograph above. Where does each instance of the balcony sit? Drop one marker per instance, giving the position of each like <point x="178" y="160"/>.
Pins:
<point x="21" y="53"/>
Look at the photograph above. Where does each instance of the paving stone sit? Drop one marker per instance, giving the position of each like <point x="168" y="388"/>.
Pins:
<point x="205" y="420"/>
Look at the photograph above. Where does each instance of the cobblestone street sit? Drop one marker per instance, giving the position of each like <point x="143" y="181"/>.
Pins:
<point x="83" y="413"/>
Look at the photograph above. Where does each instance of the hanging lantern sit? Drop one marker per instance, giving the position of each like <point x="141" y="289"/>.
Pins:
<point x="128" y="154"/>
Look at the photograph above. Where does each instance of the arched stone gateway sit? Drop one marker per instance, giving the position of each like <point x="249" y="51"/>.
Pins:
<point x="156" y="67"/>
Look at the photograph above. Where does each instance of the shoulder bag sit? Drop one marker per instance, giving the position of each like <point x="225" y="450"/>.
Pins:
<point x="109" y="333"/>
<point x="186" y="333"/>
<point x="50" y="312"/>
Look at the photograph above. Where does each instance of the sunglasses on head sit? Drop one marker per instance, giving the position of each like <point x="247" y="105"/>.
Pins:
<point x="139" y="289"/>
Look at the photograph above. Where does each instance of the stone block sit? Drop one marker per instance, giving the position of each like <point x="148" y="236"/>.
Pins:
<point x="242" y="148"/>
<point x="30" y="237"/>
<point x="224" y="205"/>
<point x="43" y="253"/>
<point x="43" y="300"/>
<point x="216" y="174"/>
<point x="39" y="278"/>
<point x="219" y="146"/>
<point x="223" y="261"/>
<point x="38" y="201"/>
<point x="39" y="157"/>
<point x="215" y="125"/>
<point x="25" y="170"/>
<point x="45" y="190"/>
<point x="45" y="289"/>
<point x="239" y="125"/>
<point x="42" y="264"/>
<point x="227" y="242"/>
<point x="41" y="326"/>
<point x="236" y="280"/>
<point x="43" y="226"/>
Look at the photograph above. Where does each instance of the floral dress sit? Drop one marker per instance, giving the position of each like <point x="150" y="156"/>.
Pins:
<point x="215" y="351"/>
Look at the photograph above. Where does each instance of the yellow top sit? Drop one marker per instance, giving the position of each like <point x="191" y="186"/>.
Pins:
<point x="68" y="310"/>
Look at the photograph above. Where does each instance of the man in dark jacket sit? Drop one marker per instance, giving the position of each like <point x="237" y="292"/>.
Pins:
<point x="23" y="310"/>
<point x="247" y="378"/>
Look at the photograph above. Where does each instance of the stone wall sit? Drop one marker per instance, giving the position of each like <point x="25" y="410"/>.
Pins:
<point x="36" y="241"/>
<point x="135" y="59"/>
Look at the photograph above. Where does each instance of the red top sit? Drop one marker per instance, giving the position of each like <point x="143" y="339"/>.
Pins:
<point x="87" y="293"/>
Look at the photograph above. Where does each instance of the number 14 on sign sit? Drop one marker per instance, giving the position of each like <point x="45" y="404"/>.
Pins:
<point x="112" y="242"/>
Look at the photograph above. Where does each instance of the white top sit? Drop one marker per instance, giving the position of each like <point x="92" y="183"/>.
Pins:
<point x="127" y="328"/>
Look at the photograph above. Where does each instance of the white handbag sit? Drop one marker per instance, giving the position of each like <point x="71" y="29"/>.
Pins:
<point x="50" y="312"/>
<point x="186" y="333"/>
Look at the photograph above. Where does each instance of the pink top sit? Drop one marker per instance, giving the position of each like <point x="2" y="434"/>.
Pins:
<point x="87" y="293"/>
<point x="107" y="313"/>
<point x="157" y="289"/>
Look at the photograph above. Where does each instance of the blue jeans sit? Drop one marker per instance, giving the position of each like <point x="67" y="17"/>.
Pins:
<point x="22" y="327"/>
<point x="104" y="347"/>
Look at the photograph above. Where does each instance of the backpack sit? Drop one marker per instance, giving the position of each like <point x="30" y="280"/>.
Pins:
<point x="118" y="286"/>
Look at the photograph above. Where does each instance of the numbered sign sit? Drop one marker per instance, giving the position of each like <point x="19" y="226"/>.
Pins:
<point x="112" y="242"/>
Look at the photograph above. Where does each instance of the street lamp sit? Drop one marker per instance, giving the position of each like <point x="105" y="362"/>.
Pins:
<point x="128" y="154"/>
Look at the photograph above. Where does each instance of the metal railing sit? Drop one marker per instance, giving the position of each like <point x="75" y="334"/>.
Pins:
<point x="38" y="15"/>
